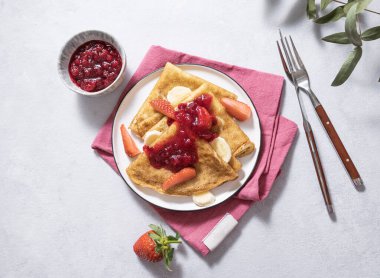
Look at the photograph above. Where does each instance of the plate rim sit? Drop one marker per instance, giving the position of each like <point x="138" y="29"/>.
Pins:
<point x="259" y="151"/>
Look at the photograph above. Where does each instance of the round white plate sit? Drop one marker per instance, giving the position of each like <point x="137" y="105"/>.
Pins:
<point x="130" y="106"/>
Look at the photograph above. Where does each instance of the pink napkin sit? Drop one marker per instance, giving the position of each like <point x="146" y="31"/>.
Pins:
<point x="205" y="229"/>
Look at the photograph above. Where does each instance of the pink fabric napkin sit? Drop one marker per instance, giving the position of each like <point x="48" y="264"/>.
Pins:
<point x="200" y="228"/>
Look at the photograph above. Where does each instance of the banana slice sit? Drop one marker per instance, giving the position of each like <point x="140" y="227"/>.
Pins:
<point x="177" y="94"/>
<point x="220" y="121"/>
<point x="151" y="136"/>
<point x="222" y="148"/>
<point x="204" y="199"/>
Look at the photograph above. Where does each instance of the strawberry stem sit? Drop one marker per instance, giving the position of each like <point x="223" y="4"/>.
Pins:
<point x="174" y="241"/>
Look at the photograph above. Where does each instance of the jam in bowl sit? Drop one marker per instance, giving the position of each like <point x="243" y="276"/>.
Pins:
<point x="92" y="63"/>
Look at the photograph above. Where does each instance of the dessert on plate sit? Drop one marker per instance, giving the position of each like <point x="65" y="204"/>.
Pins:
<point x="191" y="140"/>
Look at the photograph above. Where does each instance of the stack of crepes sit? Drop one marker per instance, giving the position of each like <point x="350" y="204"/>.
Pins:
<point x="211" y="169"/>
<point x="206" y="229"/>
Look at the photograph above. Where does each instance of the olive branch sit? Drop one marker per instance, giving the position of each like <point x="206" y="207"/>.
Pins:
<point x="352" y="32"/>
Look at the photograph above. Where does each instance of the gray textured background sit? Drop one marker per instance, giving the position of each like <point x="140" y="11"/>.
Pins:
<point x="65" y="213"/>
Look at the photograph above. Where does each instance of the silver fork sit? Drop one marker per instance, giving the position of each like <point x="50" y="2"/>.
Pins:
<point x="297" y="73"/>
<point x="300" y="78"/>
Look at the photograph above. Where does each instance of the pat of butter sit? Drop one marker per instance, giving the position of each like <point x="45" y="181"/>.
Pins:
<point x="204" y="199"/>
<point x="177" y="94"/>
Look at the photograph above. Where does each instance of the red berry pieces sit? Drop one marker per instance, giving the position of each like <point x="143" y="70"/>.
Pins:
<point x="193" y="119"/>
<point x="197" y="117"/>
<point x="164" y="107"/>
<point x="175" y="153"/>
<point x="94" y="66"/>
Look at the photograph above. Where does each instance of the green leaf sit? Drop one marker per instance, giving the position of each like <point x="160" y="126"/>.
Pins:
<point x="371" y="34"/>
<point x="156" y="229"/>
<point x="351" y="28"/>
<point x="311" y="9"/>
<point x="325" y="3"/>
<point x="170" y="254"/>
<point x="363" y="4"/>
<point x="348" y="66"/>
<point x="340" y="38"/>
<point x="332" y="16"/>
<point x="154" y="236"/>
<point x="163" y="232"/>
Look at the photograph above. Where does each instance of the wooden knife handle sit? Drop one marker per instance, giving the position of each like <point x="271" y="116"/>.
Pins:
<point x="341" y="150"/>
<point x="318" y="166"/>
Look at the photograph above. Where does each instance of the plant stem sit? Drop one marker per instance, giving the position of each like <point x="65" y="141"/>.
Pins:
<point x="340" y="2"/>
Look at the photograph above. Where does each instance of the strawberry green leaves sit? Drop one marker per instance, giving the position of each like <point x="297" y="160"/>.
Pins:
<point x="371" y="34"/>
<point x="163" y="242"/>
<point x="348" y="67"/>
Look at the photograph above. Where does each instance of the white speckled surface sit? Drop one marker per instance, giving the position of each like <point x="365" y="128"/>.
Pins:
<point x="64" y="213"/>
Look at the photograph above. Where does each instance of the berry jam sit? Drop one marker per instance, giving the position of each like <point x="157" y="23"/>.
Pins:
<point x="95" y="65"/>
<point x="193" y="120"/>
<point x="175" y="153"/>
<point x="196" y="116"/>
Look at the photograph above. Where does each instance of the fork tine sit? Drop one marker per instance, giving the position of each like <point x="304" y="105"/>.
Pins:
<point x="286" y="52"/>
<point x="291" y="55"/>
<point x="296" y="53"/>
<point x="283" y="62"/>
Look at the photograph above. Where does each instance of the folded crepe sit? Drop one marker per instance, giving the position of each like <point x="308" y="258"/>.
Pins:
<point x="211" y="170"/>
<point x="171" y="77"/>
<point x="226" y="126"/>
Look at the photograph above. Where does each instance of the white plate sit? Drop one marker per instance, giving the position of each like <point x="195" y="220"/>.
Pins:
<point x="130" y="106"/>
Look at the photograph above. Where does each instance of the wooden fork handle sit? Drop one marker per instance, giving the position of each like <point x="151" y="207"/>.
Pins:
<point x="318" y="166"/>
<point x="341" y="150"/>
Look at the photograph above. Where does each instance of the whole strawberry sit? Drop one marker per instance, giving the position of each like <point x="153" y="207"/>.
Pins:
<point x="154" y="246"/>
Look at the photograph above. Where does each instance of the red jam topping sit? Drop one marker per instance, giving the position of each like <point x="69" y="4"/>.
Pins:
<point x="195" y="115"/>
<point x="175" y="153"/>
<point x="194" y="120"/>
<point x="95" y="65"/>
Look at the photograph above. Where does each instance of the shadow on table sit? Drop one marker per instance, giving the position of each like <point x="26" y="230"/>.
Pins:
<point x="159" y="270"/>
<point x="296" y="15"/>
<point x="297" y="11"/>
<point x="95" y="110"/>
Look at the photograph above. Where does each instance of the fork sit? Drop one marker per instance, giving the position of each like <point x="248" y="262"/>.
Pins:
<point x="298" y="76"/>
<point x="297" y="73"/>
<point x="301" y="78"/>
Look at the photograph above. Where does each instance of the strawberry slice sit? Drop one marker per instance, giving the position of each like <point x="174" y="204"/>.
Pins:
<point x="184" y="175"/>
<point x="204" y="118"/>
<point x="129" y="145"/>
<point x="164" y="107"/>
<point x="237" y="109"/>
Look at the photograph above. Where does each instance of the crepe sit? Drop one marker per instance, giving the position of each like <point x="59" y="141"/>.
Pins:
<point x="211" y="170"/>
<point x="171" y="77"/>
<point x="227" y="127"/>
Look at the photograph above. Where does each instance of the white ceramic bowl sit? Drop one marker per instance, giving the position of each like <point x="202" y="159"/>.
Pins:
<point x="73" y="44"/>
